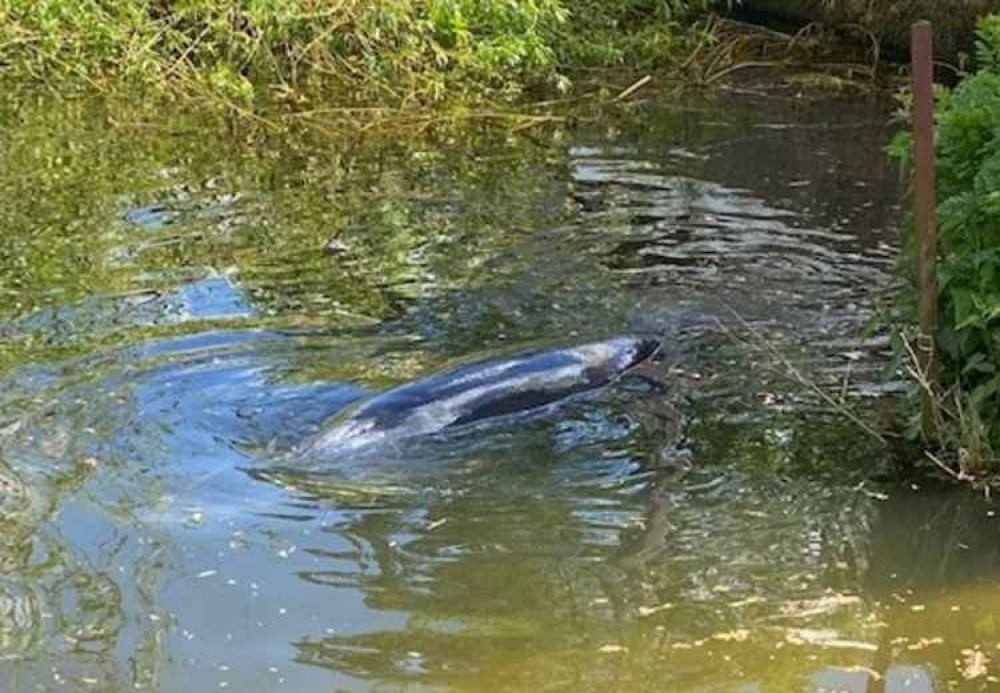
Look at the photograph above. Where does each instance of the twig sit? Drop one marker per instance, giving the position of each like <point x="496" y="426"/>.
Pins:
<point x="183" y="59"/>
<point x="797" y="375"/>
<point x="716" y="76"/>
<point x="706" y="38"/>
<point x="634" y="88"/>
<point x="915" y="371"/>
<point x="959" y="476"/>
<point x="847" y="379"/>
<point x="757" y="29"/>
<point x="876" y="46"/>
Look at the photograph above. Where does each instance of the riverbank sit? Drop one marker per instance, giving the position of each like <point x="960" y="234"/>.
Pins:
<point x="368" y="54"/>
<point x="886" y="23"/>
<point x="363" y="58"/>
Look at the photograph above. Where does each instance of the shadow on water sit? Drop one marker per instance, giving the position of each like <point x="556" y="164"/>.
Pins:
<point x="179" y="312"/>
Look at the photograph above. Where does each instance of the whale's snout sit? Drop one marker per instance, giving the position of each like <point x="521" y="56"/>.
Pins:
<point x="641" y="349"/>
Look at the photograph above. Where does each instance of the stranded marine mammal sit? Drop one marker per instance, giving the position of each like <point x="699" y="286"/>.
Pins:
<point x="481" y="390"/>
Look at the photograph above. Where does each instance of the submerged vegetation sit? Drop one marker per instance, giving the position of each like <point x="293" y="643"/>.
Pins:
<point x="968" y="156"/>
<point x="368" y="52"/>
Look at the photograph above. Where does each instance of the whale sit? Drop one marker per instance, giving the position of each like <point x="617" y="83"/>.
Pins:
<point x="480" y="391"/>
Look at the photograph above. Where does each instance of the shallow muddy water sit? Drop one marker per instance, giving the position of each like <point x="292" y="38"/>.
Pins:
<point x="181" y="305"/>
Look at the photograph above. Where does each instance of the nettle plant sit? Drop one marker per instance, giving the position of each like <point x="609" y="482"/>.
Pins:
<point x="968" y="170"/>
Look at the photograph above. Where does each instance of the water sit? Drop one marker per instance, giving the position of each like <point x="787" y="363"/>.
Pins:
<point x="174" y="318"/>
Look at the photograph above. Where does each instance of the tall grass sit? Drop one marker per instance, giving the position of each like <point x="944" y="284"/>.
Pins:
<point x="385" y="51"/>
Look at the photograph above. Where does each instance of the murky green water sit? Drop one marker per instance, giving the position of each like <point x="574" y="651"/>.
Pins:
<point x="173" y="320"/>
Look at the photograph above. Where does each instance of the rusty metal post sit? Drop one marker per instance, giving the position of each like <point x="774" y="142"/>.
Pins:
<point x="925" y="214"/>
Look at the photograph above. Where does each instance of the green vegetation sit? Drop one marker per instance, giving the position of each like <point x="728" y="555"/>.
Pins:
<point x="367" y="52"/>
<point x="968" y="152"/>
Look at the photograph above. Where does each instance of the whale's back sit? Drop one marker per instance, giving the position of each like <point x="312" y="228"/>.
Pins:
<point x="485" y="389"/>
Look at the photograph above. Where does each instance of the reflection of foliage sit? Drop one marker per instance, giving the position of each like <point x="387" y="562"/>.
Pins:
<point x="416" y="218"/>
<point x="65" y="606"/>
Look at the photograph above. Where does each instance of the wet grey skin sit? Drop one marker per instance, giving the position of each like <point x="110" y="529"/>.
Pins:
<point x="480" y="391"/>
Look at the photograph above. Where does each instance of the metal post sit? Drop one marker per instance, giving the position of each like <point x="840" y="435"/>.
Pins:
<point x="925" y="209"/>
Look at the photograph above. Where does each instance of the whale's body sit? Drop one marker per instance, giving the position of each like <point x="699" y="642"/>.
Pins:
<point x="479" y="391"/>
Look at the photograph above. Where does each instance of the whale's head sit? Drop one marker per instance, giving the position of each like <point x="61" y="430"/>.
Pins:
<point x="638" y="349"/>
<point x="608" y="359"/>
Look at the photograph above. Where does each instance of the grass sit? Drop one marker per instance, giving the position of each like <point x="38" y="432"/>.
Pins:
<point x="396" y="53"/>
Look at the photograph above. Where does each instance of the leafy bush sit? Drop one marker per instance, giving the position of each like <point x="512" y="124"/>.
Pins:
<point x="968" y="160"/>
